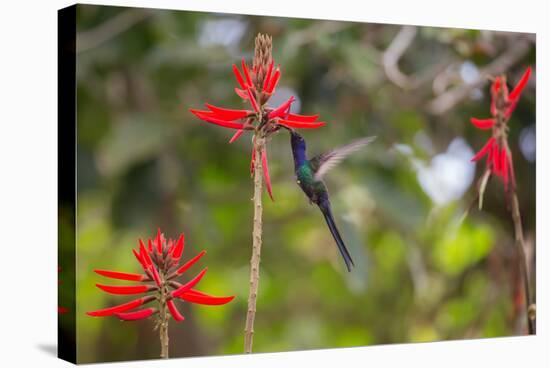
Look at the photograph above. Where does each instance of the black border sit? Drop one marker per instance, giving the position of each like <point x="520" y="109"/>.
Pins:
<point x="66" y="190"/>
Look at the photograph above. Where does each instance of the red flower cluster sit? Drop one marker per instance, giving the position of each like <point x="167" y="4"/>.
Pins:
<point x="257" y="91"/>
<point x="499" y="158"/>
<point x="160" y="261"/>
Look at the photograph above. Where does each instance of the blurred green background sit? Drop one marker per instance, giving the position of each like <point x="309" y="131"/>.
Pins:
<point x="423" y="273"/>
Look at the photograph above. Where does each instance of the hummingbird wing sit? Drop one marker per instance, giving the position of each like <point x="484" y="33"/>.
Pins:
<point x="322" y="163"/>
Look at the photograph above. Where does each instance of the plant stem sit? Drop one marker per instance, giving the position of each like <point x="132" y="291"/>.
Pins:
<point x="530" y="308"/>
<point x="500" y="132"/>
<point x="163" y="324"/>
<point x="256" y="246"/>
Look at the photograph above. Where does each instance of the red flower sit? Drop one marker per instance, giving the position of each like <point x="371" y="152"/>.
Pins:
<point x="499" y="161"/>
<point x="503" y="103"/>
<point x="160" y="261"/>
<point x="257" y="86"/>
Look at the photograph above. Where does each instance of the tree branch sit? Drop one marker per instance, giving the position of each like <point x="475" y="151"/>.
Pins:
<point x="449" y="99"/>
<point x="394" y="52"/>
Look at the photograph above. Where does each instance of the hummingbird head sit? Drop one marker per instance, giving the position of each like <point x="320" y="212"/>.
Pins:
<point x="298" y="144"/>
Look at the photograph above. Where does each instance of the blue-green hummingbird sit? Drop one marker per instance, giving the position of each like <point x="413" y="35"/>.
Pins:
<point x="309" y="176"/>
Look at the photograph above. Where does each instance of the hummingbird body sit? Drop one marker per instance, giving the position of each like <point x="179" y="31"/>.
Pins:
<point x="309" y="176"/>
<point x="315" y="190"/>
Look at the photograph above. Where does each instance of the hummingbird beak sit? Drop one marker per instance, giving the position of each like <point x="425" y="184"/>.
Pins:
<point x="295" y="136"/>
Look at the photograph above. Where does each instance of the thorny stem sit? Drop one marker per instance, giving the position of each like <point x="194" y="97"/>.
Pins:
<point x="518" y="229"/>
<point x="500" y="132"/>
<point x="262" y="59"/>
<point x="163" y="322"/>
<point x="256" y="246"/>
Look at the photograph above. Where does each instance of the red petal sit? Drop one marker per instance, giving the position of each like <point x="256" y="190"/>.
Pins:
<point x="241" y="93"/>
<point x="140" y="259"/>
<point x="300" y="124"/>
<point x="238" y="76"/>
<point x="159" y="241"/>
<point x="120" y="308"/>
<point x="201" y="115"/>
<point x="176" y="293"/>
<point x="62" y="310"/>
<point x="227" y="114"/>
<point x="252" y="100"/>
<point x="246" y="73"/>
<point x="303" y="118"/>
<point x="195" y="296"/>
<point x="287" y="111"/>
<point x="488" y="146"/>
<point x="496" y="160"/>
<point x="483" y="123"/>
<point x="494" y="92"/>
<point x="495" y="87"/>
<point x="281" y="110"/>
<point x="145" y="254"/>
<point x="170" y="246"/>
<point x="274" y="81"/>
<point x="189" y="263"/>
<point x="236" y="135"/>
<point x="134" y="316"/>
<point x="267" y="76"/>
<point x="178" y="317"/>
<point x="266" y="173"/>
<point x="121" y="275"/>
<point x="516" y="92"/>
<point x="125" y="290"/>
<point x="178" y="249"/>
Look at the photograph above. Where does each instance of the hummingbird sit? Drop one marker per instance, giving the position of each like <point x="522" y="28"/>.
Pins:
<point x="309" y="176"/>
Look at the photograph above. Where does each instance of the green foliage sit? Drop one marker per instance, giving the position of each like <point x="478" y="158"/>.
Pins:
<point x="462" y="248"/>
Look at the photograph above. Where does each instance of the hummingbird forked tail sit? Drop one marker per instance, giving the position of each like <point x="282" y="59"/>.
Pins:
<point x="329" y="218"/>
